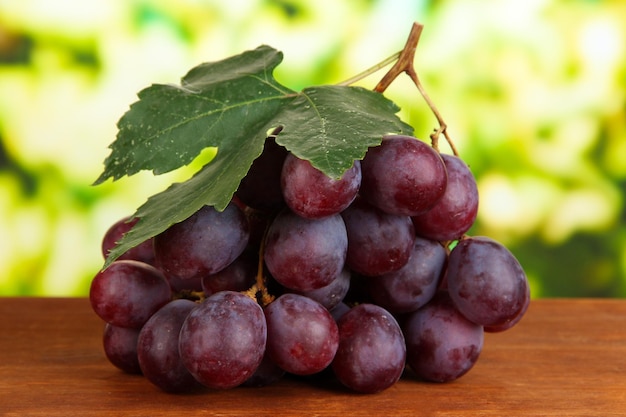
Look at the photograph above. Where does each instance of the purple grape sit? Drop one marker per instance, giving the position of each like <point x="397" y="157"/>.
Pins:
<point x="238" y="276"/>
<point x="144" y="252"/>
<point x="442" y="345"/>
<point x="302" y="336"/>
<point x="203" y="244"/>
<point x="157" y="348"/>
<point x="513" y="321"/>
<point x="332" y="294"/>
<point x="179" y="285"/>
<point x="222" y="340"/>
<point x="128" y="292"/>
<point x="305" y="254"/>
<point x="403" y="176"/>
<point x="120" y="347"/>
<point x="371" y="354"/>
<point x="260" y="188"/>
<point x="455" y="212"/>
<point x="312" y="194"/>
<point x="339" y="310"/>
<point x="485" y="281"/>
<point x="413" y="285"/>
<point x="378" y="242"/>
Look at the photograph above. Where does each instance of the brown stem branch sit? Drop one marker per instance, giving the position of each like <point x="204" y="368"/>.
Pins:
<point x="405" y="61"/>
<point x="405" y="65"/>
<point x="259" y="291"/>
<point x="434" y="137"/>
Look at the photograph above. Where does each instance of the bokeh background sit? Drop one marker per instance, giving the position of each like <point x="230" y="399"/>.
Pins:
<point x="534" y="93"/>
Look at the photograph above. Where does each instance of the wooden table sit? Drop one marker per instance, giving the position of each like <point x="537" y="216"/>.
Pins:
<point x="565" y="358"/>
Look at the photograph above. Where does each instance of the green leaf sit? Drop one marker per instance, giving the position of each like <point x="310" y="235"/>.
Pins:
<point x="331" y="126"/>
<point x="231" y="105"/>
<point x="180" y="200"/>
<point x="170" y="125"/>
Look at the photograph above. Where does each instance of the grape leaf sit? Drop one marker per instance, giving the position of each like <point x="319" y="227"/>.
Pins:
<point x="232" y="107"/>
<point x="180" y="200"/>
<point x="170" y="125"/>
<point x="331" y="126"/>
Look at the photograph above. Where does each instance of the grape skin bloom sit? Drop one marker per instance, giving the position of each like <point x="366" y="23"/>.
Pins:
<point x="157" y="348"/>
<point x="302" y="335"/>
<point x="372" y="352"/>
<point x="455" y="212"/>
<point x="442" y="345"/>
<point x="128" y="292"/>
<point x="203" y="244"/>
<point x="378" y="242"/>
<point x="305" y="254"/>
<point x="222" y="341"/>
<point x="312" y="194"/>
<point x="403" y="176"/>
<point x="486" y="282"/>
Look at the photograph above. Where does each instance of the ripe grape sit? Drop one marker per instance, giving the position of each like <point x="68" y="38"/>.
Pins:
<point x="238" y="276"/>
<point x="179" y="285"/>
<point x="332" y="294"/>
<point x="372" y="352"/>
<point x="403" y="176"/>
<point x="120" y="347"/>
<point x="128" y="292"/>
<point x="413" y="285"/>
<point x="260" y="188"/>
<point x="157" y="348"/>
<point x="485" y="281"/>
<point x="442" y="344"/>
<point x="302" y="336"/>
<point x="378" y="242"/>
<point x="312" y="194"/>
<point x="514" y="320"/>
<point x="339" y="310"/>
<point x="305" y="254"/>
<point x="222" y="341"/>
<point x="203" y="244"/>
<point x="144" y="252"/>
<point x="455" y="212"/>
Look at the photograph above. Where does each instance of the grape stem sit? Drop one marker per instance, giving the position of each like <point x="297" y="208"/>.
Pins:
<point x="371" y="70"/>
<point x="404" y="63"/>
<point x="259" y="292"/>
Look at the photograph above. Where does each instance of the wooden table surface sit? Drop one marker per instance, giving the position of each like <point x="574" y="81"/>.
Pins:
<point x="565" y="358"/>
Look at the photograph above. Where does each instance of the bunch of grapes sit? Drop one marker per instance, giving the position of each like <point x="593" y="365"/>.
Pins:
<point x="363" y="277"/>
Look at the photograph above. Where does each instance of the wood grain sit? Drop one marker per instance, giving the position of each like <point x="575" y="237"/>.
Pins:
<point x="565" y="358"/>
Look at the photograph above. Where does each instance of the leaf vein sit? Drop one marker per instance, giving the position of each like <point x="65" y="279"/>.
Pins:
<point x="219" y="112"/>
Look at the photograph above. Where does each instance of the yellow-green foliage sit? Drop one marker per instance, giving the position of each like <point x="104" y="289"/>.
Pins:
<point x="534" y="93"/>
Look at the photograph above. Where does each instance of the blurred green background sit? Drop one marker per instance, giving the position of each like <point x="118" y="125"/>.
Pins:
<point x="534" y="93"/>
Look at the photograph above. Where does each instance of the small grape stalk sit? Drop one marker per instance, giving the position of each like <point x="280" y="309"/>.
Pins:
<point x="331" y="242"/>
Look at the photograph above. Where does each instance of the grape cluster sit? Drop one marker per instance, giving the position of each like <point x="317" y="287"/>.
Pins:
<point x="365" y="277"/>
